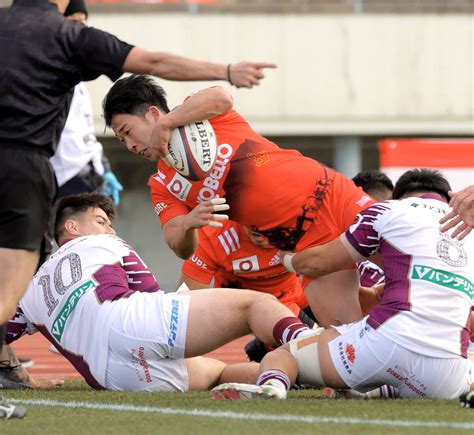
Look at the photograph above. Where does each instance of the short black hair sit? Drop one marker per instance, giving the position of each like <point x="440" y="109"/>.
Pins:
<point x="133" y="95"/>
<point x="422" y="180"/>
<point x="72" y="205"/>
<point x="373" y="181"/>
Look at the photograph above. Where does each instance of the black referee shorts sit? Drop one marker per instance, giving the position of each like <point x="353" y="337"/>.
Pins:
<point x="27" y="193"/>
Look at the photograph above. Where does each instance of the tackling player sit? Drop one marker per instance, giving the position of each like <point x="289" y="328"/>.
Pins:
<point x="293" y="201"/>
<point x="234" y="257"/>
<point x="102" y="308"/>
<point x="416" y="340"/>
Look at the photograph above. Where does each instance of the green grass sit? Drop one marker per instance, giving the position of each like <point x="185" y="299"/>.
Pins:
<point x="53" y="420"/>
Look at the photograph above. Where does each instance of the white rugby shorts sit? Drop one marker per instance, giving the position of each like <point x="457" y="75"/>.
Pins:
<point x="365" y="360"/>
<point x="146" y="346"/>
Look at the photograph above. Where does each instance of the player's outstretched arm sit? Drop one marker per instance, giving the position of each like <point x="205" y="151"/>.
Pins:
<point x="462" y="216"/>
<point x="320" y="260"/>
<point x="181" y="231"/>
<point x="173" y="67"/>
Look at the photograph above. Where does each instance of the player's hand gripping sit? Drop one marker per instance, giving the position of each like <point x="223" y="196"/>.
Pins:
<point x="462" y="216"/>
<point x="205" y="214"/>
<point x="160" y="138"/>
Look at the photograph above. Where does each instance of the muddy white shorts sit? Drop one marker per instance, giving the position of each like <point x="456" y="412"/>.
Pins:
<point x="365" y="359"/>
<point x="146" y="344"/>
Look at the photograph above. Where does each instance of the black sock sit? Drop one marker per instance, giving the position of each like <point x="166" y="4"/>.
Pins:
<point x="2" y="336"/>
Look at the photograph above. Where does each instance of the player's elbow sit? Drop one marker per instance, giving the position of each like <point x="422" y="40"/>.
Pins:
<point x="222" y="99"/>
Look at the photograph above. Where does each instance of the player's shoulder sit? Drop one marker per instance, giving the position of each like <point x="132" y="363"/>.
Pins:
<point x="107" y="242"/>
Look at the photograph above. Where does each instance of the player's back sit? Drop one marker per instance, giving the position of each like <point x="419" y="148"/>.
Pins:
<point x="429" y="288"/>
<point x="76" y="295"/>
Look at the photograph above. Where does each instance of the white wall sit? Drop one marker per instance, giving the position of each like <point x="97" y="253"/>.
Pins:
<point x="340" y="74"/>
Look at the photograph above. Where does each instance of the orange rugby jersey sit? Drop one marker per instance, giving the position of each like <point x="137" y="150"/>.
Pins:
<point x="228" y="255"/>
<point x="268" y="188"/>
<point x="264" y="185"/>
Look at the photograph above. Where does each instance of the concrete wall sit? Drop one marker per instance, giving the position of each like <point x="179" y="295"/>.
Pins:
<point x="337" y="74"/>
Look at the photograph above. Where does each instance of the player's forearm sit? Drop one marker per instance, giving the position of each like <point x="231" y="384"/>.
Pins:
<point x="173" y="67"/>
<point x="307" y="263"/>
<point x="180" y="238"/>
<point x="204" y="104"/>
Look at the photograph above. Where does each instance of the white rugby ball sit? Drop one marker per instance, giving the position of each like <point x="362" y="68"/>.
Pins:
<point x="193" y="148"/>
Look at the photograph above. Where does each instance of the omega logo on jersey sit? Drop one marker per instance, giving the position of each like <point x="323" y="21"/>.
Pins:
<point x="211" y="182"/>
<point x="179" y="187"/>
<point x="245" y="265"/>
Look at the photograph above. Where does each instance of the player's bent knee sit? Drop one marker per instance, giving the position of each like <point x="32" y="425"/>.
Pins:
<point x="305" y="351"/>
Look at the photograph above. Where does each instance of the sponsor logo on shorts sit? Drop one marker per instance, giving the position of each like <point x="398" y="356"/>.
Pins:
<point x="408" y="381"/>
<point x="59" y="323"/>
<point x="174" y="322"/>
<point x="212" y="181"/>
<point x="140" y="365"/>
<point x="179" y="187"/>
<point x="245" y="265"/>
<point x="343" y="357"/>
<point x="144" y="363"/>
<point x="160" y="207"/>
<point x="444" y="279"/>
<point x="198" y="261"/>
<point x="350" y="354"/>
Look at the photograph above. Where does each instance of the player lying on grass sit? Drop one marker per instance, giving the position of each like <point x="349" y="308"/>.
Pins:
<point x="292" y="201"/>
<point x="416" y="340"/>
<point x="102" y="308"/>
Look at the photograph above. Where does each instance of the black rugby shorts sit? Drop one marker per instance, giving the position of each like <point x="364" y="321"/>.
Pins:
<point x="27" y="193"/>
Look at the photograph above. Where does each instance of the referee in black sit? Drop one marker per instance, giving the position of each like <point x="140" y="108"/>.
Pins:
<point x="43" y="56"/>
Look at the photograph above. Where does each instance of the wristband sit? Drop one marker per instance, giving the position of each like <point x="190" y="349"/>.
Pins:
<point x="288" y="262"/>
<point x="228" y="74"/>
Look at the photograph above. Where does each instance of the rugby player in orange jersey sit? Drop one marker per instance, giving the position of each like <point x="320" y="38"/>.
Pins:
<point x="293" y="201"/>
<point x="236" y="258"/>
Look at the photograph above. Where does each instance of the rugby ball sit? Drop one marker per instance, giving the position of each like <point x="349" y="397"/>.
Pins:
<point x="193" y="149"/>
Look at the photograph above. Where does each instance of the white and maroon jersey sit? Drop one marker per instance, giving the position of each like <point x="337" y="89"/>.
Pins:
<point x="429" y="277"/>
<point x="76" y="295"/>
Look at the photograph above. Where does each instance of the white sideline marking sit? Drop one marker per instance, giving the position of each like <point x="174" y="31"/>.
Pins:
<point x="245" y="416"/>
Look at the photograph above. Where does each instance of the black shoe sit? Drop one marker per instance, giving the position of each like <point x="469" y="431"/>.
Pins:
<point x="8" y="382"/>
<point x="467" y="400"/>
<point x="10" y="411"/>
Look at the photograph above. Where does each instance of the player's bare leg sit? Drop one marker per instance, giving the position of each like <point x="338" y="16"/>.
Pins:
<point x="308" y="357"/>
<point x="17" y="269"/>
<point x="334" y="298"/>
<point x="205" y="373"/>
<point x="217" y="316"/>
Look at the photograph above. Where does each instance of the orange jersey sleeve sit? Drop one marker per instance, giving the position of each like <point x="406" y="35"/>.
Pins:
<point x="166" y="206"/>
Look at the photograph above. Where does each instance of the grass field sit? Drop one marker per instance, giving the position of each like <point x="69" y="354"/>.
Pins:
<point x="76" y="409"/>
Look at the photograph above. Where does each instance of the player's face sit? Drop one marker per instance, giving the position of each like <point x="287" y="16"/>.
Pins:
<point x="94" y="221"/>
<point x="134" y="131"/>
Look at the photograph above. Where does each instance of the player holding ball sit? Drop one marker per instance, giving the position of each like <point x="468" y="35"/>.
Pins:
<point x="292" y="201"/>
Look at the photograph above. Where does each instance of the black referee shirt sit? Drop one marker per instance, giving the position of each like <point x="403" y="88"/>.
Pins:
<point x="42" y="57"/>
